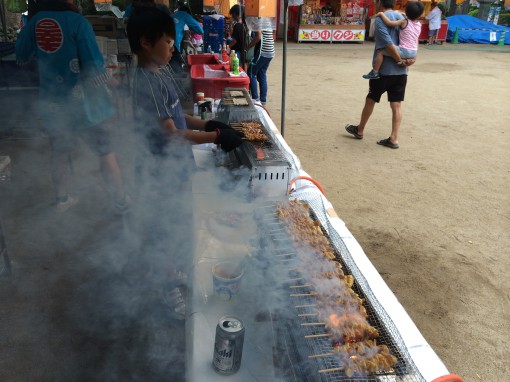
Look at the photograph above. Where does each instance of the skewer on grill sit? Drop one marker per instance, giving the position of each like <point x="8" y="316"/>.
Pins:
<point x="331" y="370"/>
<point x="307" y="314"/>
<point x="306" y="306"/>
<point x="300" y="286"/>
<point x="303" y="294"/>
<point x="313" y="324"/>
<point x="317" y="335"/>
<point x="321" y="355"/>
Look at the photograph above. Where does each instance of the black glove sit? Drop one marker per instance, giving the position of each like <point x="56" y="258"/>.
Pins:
<point x="228" y="139"/>
<point x="215" y="125"/>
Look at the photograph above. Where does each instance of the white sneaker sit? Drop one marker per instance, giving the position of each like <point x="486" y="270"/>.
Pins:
<point x="64" y="206"/>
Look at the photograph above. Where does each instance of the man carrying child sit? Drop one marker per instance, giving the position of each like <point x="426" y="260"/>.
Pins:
<point x="392" y="78"/>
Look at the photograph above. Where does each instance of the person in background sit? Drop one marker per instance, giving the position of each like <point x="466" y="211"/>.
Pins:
<point x="410" y="29"/>
<point x="182" y="17"/>
<point x="434" y="18"/>
<point x="393" y="78"/>
<point x="73" y="99"/>
<point x="264" y="52"/>
<point x="239" y="33"/>
<point x="327" y="10"/>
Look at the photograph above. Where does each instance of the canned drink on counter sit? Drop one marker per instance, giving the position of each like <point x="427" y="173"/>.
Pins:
<point x="228" y="345"/>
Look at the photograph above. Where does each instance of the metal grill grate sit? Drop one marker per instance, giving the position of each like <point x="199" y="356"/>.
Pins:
<point x="293" y="332"/>
<point x="228" y="112"/>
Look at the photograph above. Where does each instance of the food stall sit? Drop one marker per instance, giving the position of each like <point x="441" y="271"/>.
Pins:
<point x="311" y="305"/>
<point x="441" y="35"/>
<point x="334" y="21"/>
<point x="424" y="35"/>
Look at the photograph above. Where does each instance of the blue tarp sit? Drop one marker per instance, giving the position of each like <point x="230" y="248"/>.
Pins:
<point x="476" y="31"/>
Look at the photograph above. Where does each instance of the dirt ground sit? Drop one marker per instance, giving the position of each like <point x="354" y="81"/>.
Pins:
<point x="434" y="215"/>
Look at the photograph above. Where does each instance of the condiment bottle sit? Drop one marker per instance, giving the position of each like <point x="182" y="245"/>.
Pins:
<point x="224" y="55"/>
<point x="232" y="55"/>
<point x="235" y="65"/>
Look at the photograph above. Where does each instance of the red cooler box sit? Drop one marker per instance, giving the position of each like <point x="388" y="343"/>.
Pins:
<point x="213" y="79"/>
<point x="201" y="59"/>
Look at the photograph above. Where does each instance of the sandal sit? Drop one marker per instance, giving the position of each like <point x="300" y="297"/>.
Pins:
<point x="388" y="143"/>
<point x="351" y="129"/>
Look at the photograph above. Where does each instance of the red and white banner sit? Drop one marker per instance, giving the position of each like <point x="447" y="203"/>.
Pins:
<point x="356" y="35"/>
<point x="314" y="34"/>
<point x="348" y="35"/>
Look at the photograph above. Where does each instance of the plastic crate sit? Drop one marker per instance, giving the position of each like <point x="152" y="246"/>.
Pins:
<point x="214" y="33"/>
<point x="213" y="87"/>
<point x="212" y="22"/>
<point x="203" y="59"/>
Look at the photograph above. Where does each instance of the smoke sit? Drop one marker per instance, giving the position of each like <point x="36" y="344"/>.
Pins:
<point x="108" y="285"/>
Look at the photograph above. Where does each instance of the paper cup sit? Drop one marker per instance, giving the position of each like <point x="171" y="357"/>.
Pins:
<point x="227" y="277"/>
<point x="112" y="60"/>
<point x="200" y="96"/>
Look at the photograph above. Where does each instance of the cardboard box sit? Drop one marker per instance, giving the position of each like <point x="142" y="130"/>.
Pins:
<point x="102" y="44"/>
<point x="105" y="26"/>
<point x="261" y="8"/>
<point x="112" y="46"/>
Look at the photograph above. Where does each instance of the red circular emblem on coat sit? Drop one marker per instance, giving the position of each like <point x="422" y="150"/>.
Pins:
<point x="48" y="35"/>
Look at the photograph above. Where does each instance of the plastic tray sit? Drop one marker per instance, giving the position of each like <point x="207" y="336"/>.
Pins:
<point x="213" y="87"/>
<point x="203" y="59"/>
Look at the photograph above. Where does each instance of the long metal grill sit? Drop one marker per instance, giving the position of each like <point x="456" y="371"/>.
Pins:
<point x="307" y="350"/>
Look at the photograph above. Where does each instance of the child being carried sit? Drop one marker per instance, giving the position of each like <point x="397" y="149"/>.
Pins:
<point x="410" y="29"/>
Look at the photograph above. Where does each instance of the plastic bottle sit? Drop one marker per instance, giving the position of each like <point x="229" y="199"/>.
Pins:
<point x="224" y="55"/>
<point x="209" y="49"/>
<point x="232" y="55"/>
<point x="235" y="65"/>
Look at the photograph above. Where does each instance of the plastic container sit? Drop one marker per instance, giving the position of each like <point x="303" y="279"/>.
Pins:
<point x="213" y="86"/>
<point x="203" y="59"/>
<point x="214" y="32"/>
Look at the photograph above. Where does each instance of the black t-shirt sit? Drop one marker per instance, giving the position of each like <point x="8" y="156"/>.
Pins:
<point x="238" y="34"/>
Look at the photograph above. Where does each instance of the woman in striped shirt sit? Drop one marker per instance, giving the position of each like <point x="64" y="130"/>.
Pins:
<point x="264" y="52"/>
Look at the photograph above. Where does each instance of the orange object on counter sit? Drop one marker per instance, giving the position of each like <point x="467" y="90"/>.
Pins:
<point x="449" y="378"/>
<point x="309" y="179"/>
<point x="261" y="8"/>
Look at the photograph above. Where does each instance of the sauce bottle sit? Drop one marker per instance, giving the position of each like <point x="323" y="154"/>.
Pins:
<point x="235" y="65"/>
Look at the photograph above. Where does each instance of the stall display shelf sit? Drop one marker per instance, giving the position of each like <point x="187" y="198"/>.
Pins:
<point x="339" y="21"/>
<point x="441" y="35"/>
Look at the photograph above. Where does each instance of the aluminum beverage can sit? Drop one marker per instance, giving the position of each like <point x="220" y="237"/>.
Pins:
<point x="228" y="345"/>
